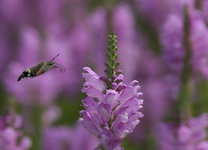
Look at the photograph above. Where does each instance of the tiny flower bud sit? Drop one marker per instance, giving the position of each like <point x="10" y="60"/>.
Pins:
<point x="103" y="78"/>
<point x="119" y="72"/>
<point x="113" y="85"/>
<point x="121" y="87"/>
<point x="113" y="77"/>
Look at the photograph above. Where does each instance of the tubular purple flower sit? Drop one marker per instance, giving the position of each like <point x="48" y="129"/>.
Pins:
<point x="172" y="39"/>
<point x="93" y="79"/>
<point x="111" y="98"/>
<point x="89" y="122"/>
<point x="104" y="111"/>
<point x="10" y="137"/>
<point x="186" y="136"/>
<point x="110" y="114"/>
<point x="93" y="85"/>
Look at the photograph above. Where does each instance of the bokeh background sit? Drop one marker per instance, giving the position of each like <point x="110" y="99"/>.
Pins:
<point x="162" y="44"/>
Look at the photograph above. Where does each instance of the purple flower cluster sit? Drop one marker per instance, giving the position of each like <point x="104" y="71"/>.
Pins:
<point x="190" y="136"/>
<point x="10" y="137"/>
<point x="172" y="39"/>
<point x="199" y="42"/>
<point x="110" y="113"/>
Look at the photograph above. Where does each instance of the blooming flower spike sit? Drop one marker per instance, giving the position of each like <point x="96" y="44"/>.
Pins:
<point x="112" y="108"/>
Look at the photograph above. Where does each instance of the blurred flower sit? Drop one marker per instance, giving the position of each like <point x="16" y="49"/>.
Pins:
<point x="172" y="37"/>
<point x="172" y="41"/>
<point x="110" y="113"/>
<point x="190" y="136"/>
<point x="199" y="42"/>
<point x="10" y="136"/>
<point x="204" y="6"/>
<point x="50" y="115"/>
<point x="173" y="50"/>
<point x="65" y="138"/>
<point x="98" y="29"/>
<point x="157" y="94"/>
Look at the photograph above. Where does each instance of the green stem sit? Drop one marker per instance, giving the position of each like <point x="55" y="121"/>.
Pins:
<point x="183" y="102"/>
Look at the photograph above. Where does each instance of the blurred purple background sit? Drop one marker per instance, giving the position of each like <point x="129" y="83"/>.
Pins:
<point x="157" y="46"/>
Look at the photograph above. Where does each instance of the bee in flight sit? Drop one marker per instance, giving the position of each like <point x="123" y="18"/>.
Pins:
<point x="40" y="69"/>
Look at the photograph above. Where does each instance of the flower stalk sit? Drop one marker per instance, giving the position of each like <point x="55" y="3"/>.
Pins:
<point x="112" y="108"/>
<point x="112" y="63"/>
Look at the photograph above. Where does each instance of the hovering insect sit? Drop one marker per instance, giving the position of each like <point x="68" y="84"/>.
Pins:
<point x="40" y="69"/>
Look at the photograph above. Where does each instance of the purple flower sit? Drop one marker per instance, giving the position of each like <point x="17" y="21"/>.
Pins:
<point x="199" y="42"/>
<point x="50" y="115"/>
<point x="110" y="113"/>
<point x="171" y="38"/>
<point x="190" y="136"/>
<point x="10" y="137"/>
<point x="98" y="27"/>
<point x="204" y="6"/>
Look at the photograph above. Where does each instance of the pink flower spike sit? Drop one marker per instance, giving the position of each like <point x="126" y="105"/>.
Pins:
<point x="110" y="114"/>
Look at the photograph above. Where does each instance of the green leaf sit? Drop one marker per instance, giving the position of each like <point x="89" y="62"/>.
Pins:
<point x="117" y="64"/>
<point x="109" y="56"/>
<point x="108" y="65"/>
<point x="109" y="48"/>
<point x="115" y="56"/>
<point x="116" y="48"/>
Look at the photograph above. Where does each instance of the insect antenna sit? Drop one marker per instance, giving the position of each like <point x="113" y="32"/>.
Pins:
<point x="55" y="57"/>
<point x="61" y="68"/>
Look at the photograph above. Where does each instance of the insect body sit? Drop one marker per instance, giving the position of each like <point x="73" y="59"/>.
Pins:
<point x="40" y="69"/>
